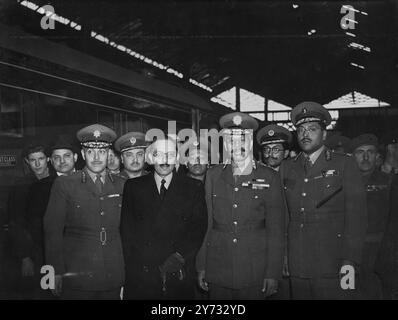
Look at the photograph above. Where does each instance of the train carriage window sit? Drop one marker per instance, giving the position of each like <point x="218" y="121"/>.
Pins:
<point x="11" y="113"/>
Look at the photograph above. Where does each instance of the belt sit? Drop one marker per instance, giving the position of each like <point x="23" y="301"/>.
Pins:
<point x="103" y="234"/>
<point x="234" y="228"/>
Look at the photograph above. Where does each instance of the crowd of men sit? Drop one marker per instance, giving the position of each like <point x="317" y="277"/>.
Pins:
<point x="316" y="223"/>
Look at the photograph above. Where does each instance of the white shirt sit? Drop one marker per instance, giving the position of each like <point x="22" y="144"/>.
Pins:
<point x="158" y="180"/>
<point x="315" y="155"/>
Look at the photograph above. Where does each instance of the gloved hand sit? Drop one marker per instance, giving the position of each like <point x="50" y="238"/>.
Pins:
<point x="174" y="263"/>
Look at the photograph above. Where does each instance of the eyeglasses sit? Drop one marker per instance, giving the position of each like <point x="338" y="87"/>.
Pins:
<point x="163" y="155"/>
<point x="272" y="150"/>
<point x="312" y="129"/>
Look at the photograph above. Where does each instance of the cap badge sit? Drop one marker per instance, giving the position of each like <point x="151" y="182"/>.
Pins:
<point x="271" y="133"/>
<point x="133" y="141"/>
<point x="97" y="133"/>
<point x="237" y="120"/>
<point x="196" y="143"/>
<point x="304" y="110"/>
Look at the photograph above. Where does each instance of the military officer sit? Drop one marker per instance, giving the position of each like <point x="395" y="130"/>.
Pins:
<point x="242" y="254"/>
<point x="132" y="148"/>
<point x="377" y="184"/>
<point x="81" y="224"/>
<point x="274" y="141"/>
<point x="338" y="143"/>
<point x="327" y="210"/>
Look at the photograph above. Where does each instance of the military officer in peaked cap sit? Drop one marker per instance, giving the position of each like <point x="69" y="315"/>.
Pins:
<point x="327" y="210"/>
<point x="377" y="183"/>
<point x="242" y="254"/>
<point x="132" y="147"/>
<point x="81" y="224"/>
<point x="274" y="141"/>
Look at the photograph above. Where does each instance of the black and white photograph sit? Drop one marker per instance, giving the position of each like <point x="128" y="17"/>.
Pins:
<point x="197" y="155"/>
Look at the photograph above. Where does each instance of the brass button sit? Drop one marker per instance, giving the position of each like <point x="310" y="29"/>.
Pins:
<point x="302" y="209"/>
<point x="101" y="198"/>
<point x="305" y="180"/>
<point x="301" y="225"/>
<point x="236" y="189"/>
<point x="235" y="240"/>
<point x="235" y="223"/>
<point x="235" y="205"/>
<point x="102" y="213"/>
<point x="303" y="194"/>
<point x="255" y="197"/>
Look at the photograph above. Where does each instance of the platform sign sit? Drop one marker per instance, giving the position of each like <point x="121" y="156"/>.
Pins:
<point x="8" y="160"/>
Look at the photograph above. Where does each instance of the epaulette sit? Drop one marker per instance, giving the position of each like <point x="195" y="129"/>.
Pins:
<point x="84" y="177"/>
<point x="341" y="153"/>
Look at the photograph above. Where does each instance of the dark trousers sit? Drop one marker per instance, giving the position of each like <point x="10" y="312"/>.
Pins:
<point x="222" y="293"/>
<point x="149" y="287"/>
<point x="74" y="294"/>
<point x="283" y="290"/>
<point x="319" y="289"/>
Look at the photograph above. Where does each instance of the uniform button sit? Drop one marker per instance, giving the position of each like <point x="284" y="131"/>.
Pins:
<point x="301" y="225"/>
<point x="102" y="213"/>
<point x="339" y="235"/>
<point x="101" y="198"/>
<point x="302" y="209"/>
<point x="235" y="240"/>
<point x="235" y="223"/>
<point x="303" y="194"/>
<point x="236" y="189"/>
<point x="255" y="197"/>
<point x="305" y="180"/>
<point x="235" y="205"/>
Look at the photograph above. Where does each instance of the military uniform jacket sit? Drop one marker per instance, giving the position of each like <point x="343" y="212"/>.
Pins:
<point x="244" y="241"/>
<point x="327" y="214"/>
<point x="153" y="229"/>
<point x="82" y="238"/>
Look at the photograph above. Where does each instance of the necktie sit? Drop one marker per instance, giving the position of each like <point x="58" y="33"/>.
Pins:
<point x="98" y="183"/>
<point x="162" y="189"/>
<point x="307" y="164"/>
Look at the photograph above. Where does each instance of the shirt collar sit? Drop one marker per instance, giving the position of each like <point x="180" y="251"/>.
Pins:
<point x="93" y="175"/>
<point x="158" y="180"/>
<point x="315" y="155"/>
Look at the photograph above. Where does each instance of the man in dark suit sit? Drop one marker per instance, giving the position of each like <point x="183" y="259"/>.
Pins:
<point x="327" y="210"/>
<point x="81" y="224"/>
<point x="63" y="156"/>
<point x="242" y="254"/>
<point x="162" y="226"/>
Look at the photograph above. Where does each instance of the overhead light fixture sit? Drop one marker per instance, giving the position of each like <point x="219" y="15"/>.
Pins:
<point x="357" y="65"/>
<point x="350" y="34"/>
<point x="355" y="45"/>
